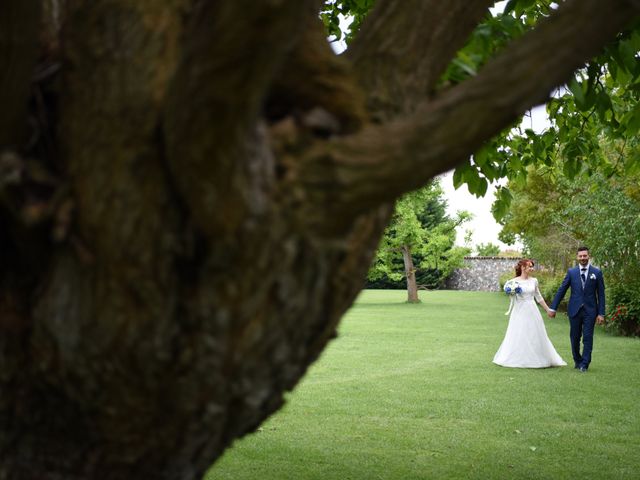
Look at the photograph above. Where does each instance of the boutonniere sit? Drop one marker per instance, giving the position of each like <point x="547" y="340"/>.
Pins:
<point x="592" y="276"/>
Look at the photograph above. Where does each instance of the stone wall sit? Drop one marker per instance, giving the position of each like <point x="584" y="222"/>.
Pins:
<point x="481" y="273"/>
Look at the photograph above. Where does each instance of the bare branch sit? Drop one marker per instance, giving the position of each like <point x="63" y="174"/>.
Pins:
<point x="232" y="51"/>
<point x="404" y="47"/>
<point x="382" y="162"/>
<point x="19" y="28"/>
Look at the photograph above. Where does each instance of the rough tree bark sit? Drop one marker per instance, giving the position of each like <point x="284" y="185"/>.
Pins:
<point x="410" y="275"/>
<point x="191" y="192"/>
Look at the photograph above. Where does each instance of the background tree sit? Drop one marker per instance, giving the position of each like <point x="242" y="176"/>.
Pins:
<point x="420" y="237"/>
<point x="487" y="249"/>
<point x="534" y="218"/>
<point x="192" y="192"/>
<point x="552" y="215"/>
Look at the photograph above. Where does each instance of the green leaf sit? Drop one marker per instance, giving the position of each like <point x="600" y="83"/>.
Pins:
<point x="492" y="171"/>
<point x="464" y="174"/>
<point x="476" y="184"/>
<point x="458" y="177"/>
<point x="628" y="56"/>
<point x="578" y="90"/>
<point x="604" y="107"/>
<point x="481" y="156"/>
<point x="481" y="187"/>
<point x="501" y="204"/>
<point x="515" y="164"/>
<point x="590" y="97"/>
<point x="632" y="163"/>
<point x="632" y="121"/>
<point x="571" y="167"/>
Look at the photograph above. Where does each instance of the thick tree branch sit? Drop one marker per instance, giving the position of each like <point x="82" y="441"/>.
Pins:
<point x="231" y="53"/>
<point x="118" y="57"/>
<point x="19" y="28"/>
<point x="382" y="162"/>
<point x="404" y="47"/>
<point x="314" y="76"/>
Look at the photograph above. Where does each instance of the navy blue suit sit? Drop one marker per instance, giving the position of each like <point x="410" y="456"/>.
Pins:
<point x="585" y="304"/>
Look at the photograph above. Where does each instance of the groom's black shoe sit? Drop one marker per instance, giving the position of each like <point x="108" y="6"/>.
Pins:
<point x="582" y="369"/>
<point x="576" y="365"/>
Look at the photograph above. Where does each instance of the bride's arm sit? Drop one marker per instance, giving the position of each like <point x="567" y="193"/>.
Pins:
<point x="539" y="298"/>
<point x="544" y="305"/>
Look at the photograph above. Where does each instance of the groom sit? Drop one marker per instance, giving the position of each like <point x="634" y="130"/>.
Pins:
<point x="586" y="306"/>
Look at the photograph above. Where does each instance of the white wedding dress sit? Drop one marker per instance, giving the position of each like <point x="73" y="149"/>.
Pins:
<point x="526" y="344"/>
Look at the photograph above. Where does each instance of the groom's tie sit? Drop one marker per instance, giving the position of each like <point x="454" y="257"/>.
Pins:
<point x="583" y="276"/>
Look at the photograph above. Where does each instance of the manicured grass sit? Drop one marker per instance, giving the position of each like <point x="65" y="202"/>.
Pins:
<point x="409" y="392"/>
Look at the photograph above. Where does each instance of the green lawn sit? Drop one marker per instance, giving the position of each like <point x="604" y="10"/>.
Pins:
<point x="409" y="392"/>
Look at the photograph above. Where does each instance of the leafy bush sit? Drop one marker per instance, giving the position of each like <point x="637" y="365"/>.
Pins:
<point x="505" y="277"/>
<point x="549" y="284"/>
<point x="623" y="308"/>
<point x="385" y="283"/>
<point x="425" y="278"/>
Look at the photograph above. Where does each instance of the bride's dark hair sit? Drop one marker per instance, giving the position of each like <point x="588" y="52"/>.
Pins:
<point x="523" y="263"/>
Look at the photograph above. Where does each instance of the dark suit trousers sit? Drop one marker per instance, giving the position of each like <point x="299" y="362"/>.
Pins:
<point x="582" y="326"/>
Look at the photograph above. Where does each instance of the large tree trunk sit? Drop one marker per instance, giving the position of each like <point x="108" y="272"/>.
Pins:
<point x="190" y="199"/>
<point x="410" y="275"/>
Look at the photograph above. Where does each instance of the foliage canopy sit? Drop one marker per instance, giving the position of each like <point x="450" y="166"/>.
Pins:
<point x="597" y="111"/>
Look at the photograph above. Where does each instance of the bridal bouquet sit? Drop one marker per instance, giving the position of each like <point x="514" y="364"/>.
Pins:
<point x="512" y="288"/>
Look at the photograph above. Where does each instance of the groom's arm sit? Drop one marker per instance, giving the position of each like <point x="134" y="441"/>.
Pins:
<point x="564" y="286"/>
<point x="601" y="305"/>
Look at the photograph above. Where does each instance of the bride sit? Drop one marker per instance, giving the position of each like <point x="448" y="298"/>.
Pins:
<point x="526" y="344"/>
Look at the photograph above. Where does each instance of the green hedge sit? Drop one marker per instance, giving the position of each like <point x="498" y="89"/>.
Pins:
<point x="623" y="308"/>
<point x="425" y="278"/>
<point x="549" y="284"/>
